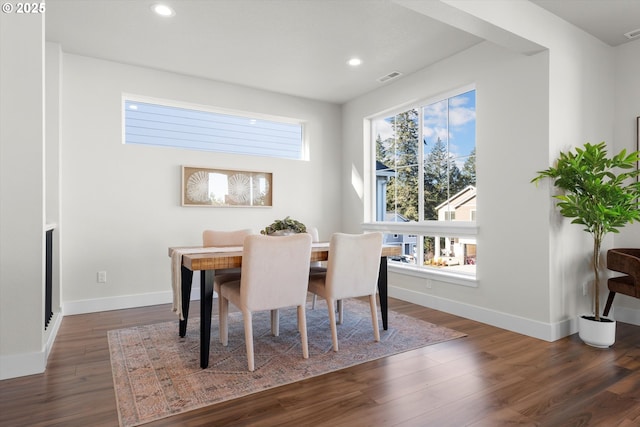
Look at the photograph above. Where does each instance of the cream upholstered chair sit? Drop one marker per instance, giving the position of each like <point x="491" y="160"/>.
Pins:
<point x="214" y="238"/>
<point x="211" y="238"/>
<point x="352" y="271"/>
<point x="316" y="266"/>
<point x="275" y="274"/>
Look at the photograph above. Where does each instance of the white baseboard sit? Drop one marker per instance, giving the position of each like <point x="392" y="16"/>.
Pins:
<point x="625" y="315"/>
<point x="532" y="328"/>
<point x="122" y="302"/>
<point x="51" y="333"/>
<point x="23" y="364"/>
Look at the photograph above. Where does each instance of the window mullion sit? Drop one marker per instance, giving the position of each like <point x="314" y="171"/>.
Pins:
<point x="419" y="238"/>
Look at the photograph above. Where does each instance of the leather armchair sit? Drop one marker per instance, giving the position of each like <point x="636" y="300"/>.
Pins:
<point x="627" y="261"/>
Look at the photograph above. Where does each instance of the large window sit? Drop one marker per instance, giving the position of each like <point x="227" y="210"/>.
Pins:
<point x="425" y="192"/>
<point x="162" y="124"/>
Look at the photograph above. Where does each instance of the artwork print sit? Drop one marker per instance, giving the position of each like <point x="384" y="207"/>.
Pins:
<point x="225" y="188"/>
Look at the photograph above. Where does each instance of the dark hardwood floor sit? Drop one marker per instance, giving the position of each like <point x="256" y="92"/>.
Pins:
<point x="490" y="378"/>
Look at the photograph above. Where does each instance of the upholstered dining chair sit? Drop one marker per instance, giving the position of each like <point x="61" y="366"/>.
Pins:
<point x="316" y="266"/>
<point x="315" y="237"/>
<point x="352" y="271"/>
<point x="275" y="274"/>
<point x="216" y="238"/>
<point x="627" y="261"/>
<point x="212" y="238"/>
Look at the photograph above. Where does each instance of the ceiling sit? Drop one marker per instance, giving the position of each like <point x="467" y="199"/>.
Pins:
<point x="296" y="47"/>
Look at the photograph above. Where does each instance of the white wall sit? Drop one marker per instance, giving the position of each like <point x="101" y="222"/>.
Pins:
<point x="531" y="262"/>
<point x="22" y="195"/>
<point x="121" y="203"/>
<point x="627" y="108"/>
<point x="512" y="130"/>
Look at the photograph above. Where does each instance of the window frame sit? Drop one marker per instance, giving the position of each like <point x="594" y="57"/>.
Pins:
<point x="128" y="97"/>
<point x="457" y="228"/>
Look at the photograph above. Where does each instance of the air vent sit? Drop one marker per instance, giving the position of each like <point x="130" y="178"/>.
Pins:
<point x="390" y="76"/>
<point x="633" y="34"/>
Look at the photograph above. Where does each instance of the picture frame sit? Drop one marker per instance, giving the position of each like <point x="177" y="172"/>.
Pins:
<point x="211" y="187"/>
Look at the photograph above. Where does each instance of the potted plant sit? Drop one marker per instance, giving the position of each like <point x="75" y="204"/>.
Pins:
<point x="284" y="226"/>
<point x="600" y="193"/>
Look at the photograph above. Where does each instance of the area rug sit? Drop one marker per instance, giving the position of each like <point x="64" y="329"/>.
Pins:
<point x="157" y="374"/>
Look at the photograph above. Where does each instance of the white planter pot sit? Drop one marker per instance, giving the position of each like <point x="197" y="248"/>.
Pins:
<point x="597" y="334"/>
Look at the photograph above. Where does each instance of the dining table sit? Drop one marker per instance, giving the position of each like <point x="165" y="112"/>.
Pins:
<point x="208" y="260"/>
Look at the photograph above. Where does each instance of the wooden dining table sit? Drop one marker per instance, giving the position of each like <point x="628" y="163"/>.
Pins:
<point x="207" y="262"/>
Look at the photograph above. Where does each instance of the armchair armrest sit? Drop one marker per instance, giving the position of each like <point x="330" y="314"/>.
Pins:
<point x="625" y="261"/>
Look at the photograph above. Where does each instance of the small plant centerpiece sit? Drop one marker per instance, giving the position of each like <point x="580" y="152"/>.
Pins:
<point x="284" y="226"/>
<point x="600" y="193"/>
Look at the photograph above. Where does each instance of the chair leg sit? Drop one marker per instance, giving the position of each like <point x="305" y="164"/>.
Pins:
<point x="340" y="311"/>
<point x="275" y="323"/>
<point x="332" y="323"/>
<point x="302" y="327"/>
<point x="374" y="317"/>
<point x="216" y="289"/>
<point x="607" y="307"/>
<point x="313" y="301"/>
<point x="248" y="337"/>
<point x="223" y="306"/>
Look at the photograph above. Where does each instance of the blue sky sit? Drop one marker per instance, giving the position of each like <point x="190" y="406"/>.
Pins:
<point x="460" y="111"/>
<point x="462" y="123"/>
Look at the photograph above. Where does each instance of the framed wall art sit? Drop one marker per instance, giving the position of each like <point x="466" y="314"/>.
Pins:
<point x="225" y="188"/>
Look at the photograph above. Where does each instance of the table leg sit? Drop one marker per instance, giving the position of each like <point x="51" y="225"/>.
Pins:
<point x="382" y="291"/>
<point x="186" y="279"/>
<point x="206" y="305"/>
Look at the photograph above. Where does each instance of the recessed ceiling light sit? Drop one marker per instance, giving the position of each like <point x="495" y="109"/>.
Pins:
<point x="163" y="10"/>
<point x="354" y="62"/>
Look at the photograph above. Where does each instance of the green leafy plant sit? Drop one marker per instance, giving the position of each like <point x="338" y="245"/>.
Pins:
<point x="285" y="224"/>
<point x="599" y="192"/>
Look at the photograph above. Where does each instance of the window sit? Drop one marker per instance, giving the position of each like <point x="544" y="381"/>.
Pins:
<point x="425" y="183"/>
<point x="163" y="124"/>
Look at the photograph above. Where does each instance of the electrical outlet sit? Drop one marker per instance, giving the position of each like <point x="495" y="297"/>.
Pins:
<point x="584" y="289"/>
<point x="102" y="277"/>
<point x="428" y="284"/>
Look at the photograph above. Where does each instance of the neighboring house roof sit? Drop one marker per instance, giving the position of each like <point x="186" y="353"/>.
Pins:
<point x="460" y="198"/>
<point x="383" y="170"/>
<point x="395" y="217"/>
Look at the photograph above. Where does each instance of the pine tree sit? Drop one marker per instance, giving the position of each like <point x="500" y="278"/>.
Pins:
<point x="442" y="179"/>
<point x="469" y="170"/>
<point x="381" y="150"/>
<point x="402" y="194"/>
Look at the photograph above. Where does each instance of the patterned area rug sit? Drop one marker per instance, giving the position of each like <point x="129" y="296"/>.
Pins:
<point x="157" y="374"/>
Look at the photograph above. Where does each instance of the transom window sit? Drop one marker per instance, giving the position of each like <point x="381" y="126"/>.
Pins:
<point x="425" y="177"/>
<point x="162" y="124"/>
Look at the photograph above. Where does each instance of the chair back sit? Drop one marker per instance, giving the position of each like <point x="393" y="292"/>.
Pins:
<point x="315" y="237"/>
<point x="313" y="231"/>
<point x="353" y="265"/>
<point x="275" y="271"/>
<point x="211" y="238"/>
<point x="625" y="260"/>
